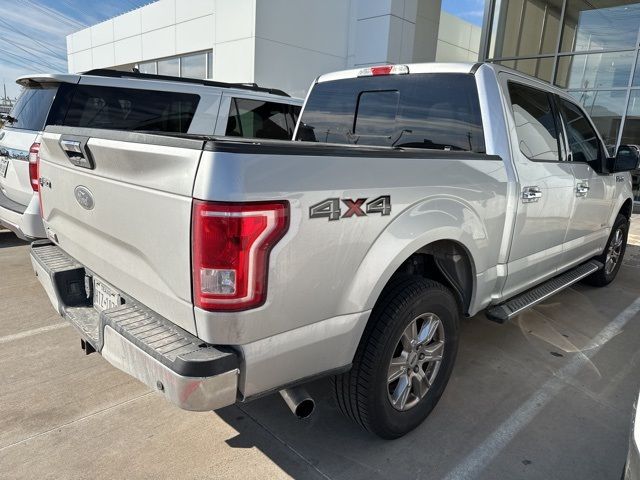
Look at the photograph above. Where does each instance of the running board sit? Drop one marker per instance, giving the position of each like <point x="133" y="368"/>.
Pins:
<point x="505" y="311"/>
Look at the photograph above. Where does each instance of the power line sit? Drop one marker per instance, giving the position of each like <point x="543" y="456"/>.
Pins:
<point x="19" y="32"/>
<point x="36" y="59"/>
<point x="55" y="13"/>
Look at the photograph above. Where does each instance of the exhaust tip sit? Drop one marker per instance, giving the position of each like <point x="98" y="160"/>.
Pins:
<point x="299" y="402"/>
<point x="305" y="408"/>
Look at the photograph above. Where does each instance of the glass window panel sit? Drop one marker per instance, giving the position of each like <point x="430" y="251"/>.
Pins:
<point x="130" y="109"/>
<point x="169" y="66"/>
<point x="631" y="130"/>
<point x="605" y="108"/>
<point x="535" y="122"/>
<point x="376" y="113"/>
<point x="525" y="27"/>
<point x="599" y="25"/>
<point x="259" y="119"/>
<point x="194" y="66"/>
<point x="636" y="75"/>
<point x="148" y="67"/>
<point x="583" y="140"/>
<point x="434" y="111"/>
<point x="209" y="64"/>
<point x="541" y="68"/>
<point x="31" y="110"/>
<point x="631" y="133"/>
<point x="595" y="70"/>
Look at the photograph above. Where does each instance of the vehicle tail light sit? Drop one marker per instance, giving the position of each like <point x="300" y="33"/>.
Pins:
<point x="34" y="159"/>
<point x="383" y="70"/>
<point x="231" y="246"/>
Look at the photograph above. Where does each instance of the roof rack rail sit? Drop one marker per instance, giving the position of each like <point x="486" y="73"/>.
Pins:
<point x="104" y="72"/>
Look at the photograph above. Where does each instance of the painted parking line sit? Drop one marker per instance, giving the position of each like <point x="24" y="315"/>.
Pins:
<point x="491" y="447"/>
<point x="35" y="331"/>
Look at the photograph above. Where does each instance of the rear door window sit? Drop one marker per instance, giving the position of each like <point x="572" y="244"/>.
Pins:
<point x="535" y="119"/>
<point x="261" y="119"/>
<point x="434" y="111"/>
<point x="131" y="109"/>
<point x="31" y="110"/>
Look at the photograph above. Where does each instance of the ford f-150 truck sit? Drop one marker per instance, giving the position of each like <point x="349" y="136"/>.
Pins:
<point x="217" y="270"/>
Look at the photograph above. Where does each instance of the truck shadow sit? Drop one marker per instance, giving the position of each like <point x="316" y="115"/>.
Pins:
<point x="9" y="239"/>
<point x="499" y="368"/>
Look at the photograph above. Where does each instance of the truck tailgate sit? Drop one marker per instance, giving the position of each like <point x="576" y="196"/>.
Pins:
<point x="126" y="214"/>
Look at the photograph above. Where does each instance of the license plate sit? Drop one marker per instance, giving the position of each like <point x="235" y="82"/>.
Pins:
<point x="4" y="165"/>
<point x="104" y="297"/>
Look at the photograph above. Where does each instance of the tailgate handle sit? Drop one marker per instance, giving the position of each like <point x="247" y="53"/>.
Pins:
<point x="77" y="151"/>
<point x="71" y="146"/>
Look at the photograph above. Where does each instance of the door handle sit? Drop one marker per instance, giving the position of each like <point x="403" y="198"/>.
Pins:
<point x="531" y="194"/>
<point x="582" y="189"/>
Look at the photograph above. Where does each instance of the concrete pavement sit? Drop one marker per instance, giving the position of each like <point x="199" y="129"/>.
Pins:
<point x="546" y="396"/>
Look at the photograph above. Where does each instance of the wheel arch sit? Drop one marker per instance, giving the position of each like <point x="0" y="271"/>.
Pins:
<point x="627" y="208"/>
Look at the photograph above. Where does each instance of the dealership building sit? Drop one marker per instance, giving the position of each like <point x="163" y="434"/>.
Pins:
<point x="277" y="43"/>
<point x="589" y="47"/>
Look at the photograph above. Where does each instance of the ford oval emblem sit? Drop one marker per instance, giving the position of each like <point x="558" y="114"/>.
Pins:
<point x="84" y="197"/>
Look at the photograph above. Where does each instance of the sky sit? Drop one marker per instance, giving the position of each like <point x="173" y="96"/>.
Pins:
<point x="469" y="10"/>
<point x="33" y="32"/>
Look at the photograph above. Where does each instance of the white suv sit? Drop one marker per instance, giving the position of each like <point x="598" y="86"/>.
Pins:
<point x="130" y="101"/>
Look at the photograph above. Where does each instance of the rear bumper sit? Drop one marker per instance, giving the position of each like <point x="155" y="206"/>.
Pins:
<point x="191" y="374"/>
<point x="22" y="220"/>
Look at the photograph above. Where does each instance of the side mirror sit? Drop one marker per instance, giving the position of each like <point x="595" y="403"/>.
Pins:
<point x="626" y="160"/>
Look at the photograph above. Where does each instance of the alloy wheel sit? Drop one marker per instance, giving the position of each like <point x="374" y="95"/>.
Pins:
<point x="415" y="361"/>
<point x="614" y="252"/>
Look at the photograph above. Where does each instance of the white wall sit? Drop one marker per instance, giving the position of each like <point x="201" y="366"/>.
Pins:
<point x="161" y="29"/>
<point x="290" y="50"/>
<point x="279" y="43"/>
<point x="427" y="27"/>
<point x="458" y="40"/>
<point x="384" y="31"/>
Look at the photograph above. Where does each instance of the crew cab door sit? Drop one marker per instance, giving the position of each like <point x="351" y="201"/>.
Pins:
<point x="545" y="185"/>
<point x="593" y="192"/>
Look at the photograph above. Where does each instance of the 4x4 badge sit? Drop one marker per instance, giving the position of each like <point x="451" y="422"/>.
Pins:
<point x="331" y="209"/>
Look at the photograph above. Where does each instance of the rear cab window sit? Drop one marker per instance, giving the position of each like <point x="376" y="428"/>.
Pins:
<point x="251" y="118"/>
<point x="131" y="109"/>
<point x="434" y="111"/>
<point x="32" y="108"/>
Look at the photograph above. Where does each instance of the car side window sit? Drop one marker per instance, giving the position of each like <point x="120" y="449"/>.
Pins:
<point x="583" y="140"/>
<point x="536" y="127"/>
<point x="260" y="119"/>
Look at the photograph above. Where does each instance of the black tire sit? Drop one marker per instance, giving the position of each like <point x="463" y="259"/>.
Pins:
<point x="604" y="276"/>
<point x="363" y="393"/>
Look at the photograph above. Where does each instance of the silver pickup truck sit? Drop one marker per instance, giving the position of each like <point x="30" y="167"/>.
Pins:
<point x="217" y="270"/>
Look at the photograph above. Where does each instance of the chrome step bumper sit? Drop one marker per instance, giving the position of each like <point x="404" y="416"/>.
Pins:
<point x="191" y="374"/>
<point x="505" y="311"/>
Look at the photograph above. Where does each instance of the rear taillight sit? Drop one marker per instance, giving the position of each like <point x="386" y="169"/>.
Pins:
<point x="34" y="160"/>
<point x="231" y="246"/>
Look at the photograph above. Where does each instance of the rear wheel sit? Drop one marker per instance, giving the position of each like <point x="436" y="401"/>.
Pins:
<point x="404" y="359"/>
<point x="613" y="254"/>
